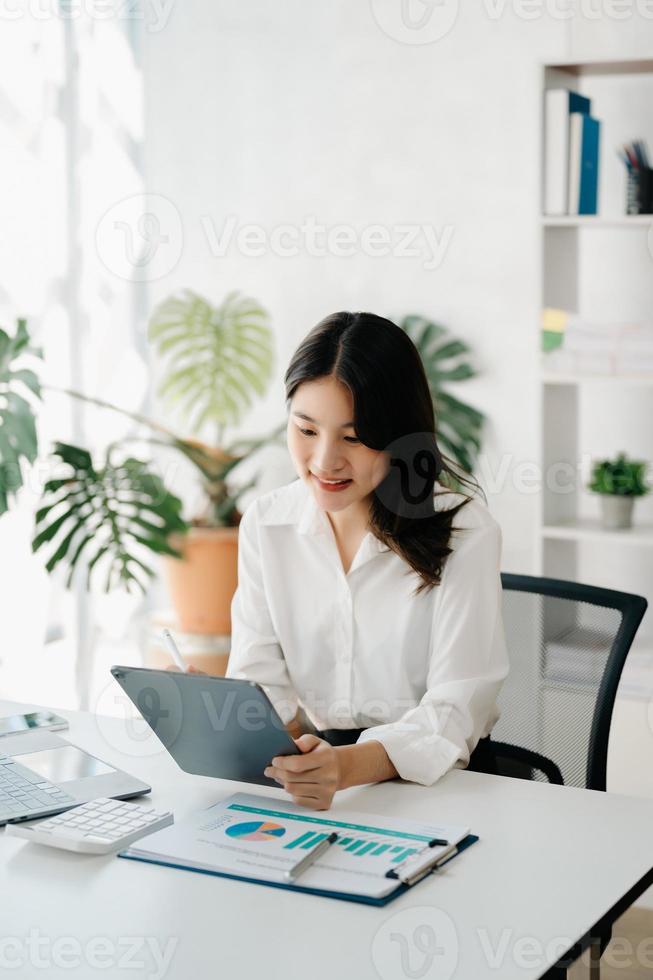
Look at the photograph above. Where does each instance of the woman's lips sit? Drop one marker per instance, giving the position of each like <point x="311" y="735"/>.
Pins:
<point x="331" y="487"/>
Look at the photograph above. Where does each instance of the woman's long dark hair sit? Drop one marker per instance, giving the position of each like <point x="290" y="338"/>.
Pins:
<point x="393" y="412"/>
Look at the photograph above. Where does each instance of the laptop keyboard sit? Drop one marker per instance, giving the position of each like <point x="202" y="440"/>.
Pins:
<point x="23" y="791"/>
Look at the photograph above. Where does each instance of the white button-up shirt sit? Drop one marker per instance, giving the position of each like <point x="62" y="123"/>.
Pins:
<point x="359" y="650"/>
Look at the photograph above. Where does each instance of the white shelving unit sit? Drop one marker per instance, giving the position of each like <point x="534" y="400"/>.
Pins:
<point x="586" y="529"/>
<point x="602" y="267"/>
<point x="596" y="221"/>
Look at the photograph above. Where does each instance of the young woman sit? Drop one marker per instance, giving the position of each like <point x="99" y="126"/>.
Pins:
<point x="369" y="596"/>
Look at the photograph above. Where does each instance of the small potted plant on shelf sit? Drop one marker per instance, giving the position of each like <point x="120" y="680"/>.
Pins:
<point x="619" y="481"/>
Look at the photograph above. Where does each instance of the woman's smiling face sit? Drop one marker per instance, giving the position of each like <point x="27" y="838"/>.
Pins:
<point x="322" y="443"/>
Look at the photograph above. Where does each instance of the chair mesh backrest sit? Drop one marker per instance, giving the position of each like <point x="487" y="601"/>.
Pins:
<point x="559" y="649"/>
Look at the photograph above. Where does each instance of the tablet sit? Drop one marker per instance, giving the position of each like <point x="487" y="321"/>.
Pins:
<point x="211" y="726"/>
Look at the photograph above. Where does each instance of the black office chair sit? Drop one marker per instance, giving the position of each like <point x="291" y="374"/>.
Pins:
<point x="567" y="645"/>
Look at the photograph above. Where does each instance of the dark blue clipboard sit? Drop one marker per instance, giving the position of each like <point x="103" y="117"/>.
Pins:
<point x="344" y="896"/>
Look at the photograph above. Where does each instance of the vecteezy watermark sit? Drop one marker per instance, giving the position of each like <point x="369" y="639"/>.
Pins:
<point x="567" y="9"/>
<point x="419" y="943"/>
<point x="508" y="948"/>
<point x="154" y="14"/>
<point x="318" y="240"/>
<point x="143" y="953"/>
<point x="427" y="21"/>
<point x="649" y="239"/>
<point x="124" y="729"/>
<point x="407" y="488"/>
<point x="140" y="238"/>
<point x="415" y="21"/>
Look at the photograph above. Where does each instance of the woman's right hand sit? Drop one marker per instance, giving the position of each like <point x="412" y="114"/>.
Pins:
<point x="189" y="670"/>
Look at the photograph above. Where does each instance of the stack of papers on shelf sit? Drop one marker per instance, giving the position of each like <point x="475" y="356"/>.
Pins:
<point x="258" y="838"/>
<point x="575" y="345"/>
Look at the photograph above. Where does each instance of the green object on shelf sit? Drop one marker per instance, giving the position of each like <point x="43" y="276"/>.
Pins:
<point x="620" y="477"/>
<point x="551" y="340"/>
<point x="554" y="323"/>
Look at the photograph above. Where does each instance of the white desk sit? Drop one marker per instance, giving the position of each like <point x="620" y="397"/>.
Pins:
<point x="551" y="862"/>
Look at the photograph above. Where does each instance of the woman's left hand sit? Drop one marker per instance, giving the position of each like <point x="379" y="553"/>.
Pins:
<point x="311" y="778"/>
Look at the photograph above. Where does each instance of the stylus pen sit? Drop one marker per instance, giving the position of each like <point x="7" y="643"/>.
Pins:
<point x="173" y="649"/>
<point x="312" y="856"/>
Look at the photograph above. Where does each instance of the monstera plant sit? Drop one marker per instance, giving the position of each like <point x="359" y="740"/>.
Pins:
<point x="18" y="439"/>
<point x="111" y="515"/>
<point x="445" y="359"/>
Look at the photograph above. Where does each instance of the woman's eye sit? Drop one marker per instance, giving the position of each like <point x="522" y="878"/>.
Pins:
<point x="310" y="432"/>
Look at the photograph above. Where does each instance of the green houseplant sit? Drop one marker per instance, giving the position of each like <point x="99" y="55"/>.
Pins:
<point x="216" y="360"/>
<point x="111" y="515"/>
<point x="619" y="481"/>
<point x="446" y="360"/>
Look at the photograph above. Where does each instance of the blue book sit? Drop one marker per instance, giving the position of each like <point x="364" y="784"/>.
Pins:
<point x="589" y="166"/>
<point x="579" y="103"/>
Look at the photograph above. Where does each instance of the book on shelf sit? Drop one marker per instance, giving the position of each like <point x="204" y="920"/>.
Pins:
<point x="571" y="154"/>
<point x="584" y="147"/>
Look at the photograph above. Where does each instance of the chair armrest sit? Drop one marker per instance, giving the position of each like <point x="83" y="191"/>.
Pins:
<point x="514" y="753"/>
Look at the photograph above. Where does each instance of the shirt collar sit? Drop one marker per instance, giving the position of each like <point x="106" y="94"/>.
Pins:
<point x="297" y="506"/>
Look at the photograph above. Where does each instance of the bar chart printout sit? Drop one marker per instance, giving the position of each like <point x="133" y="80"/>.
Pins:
<point x="355" y="841"/>
<point x="358" y="846"/>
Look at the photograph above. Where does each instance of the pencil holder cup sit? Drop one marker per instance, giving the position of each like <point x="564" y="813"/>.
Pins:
<point x="645" y="199"/>
<point x="632" y="192"/>
<point x="639" y="191"/>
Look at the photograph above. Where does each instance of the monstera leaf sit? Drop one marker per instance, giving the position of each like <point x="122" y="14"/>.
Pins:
<point x="106" y="517"/>
<point x="18" y="439"/>
<point x="459" y="426"/>
<point x="218" y="358"/>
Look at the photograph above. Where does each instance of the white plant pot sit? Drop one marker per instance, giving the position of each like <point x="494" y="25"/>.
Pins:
<point x="616" y="511"/>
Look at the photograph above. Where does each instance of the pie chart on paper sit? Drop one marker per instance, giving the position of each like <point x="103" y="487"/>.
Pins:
<point x="256" y="830"/>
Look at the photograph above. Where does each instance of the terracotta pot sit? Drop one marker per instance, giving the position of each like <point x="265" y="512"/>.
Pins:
<point x="202" y="584"/>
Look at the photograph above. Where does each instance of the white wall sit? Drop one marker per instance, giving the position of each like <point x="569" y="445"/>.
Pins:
<point x="274" y="112"/>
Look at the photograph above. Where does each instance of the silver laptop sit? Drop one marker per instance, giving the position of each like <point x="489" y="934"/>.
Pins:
<point x="41" y="774"/>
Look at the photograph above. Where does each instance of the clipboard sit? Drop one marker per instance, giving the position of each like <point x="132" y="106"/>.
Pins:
<point x="289" y="886"/>
<point x="253" y="838"/>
